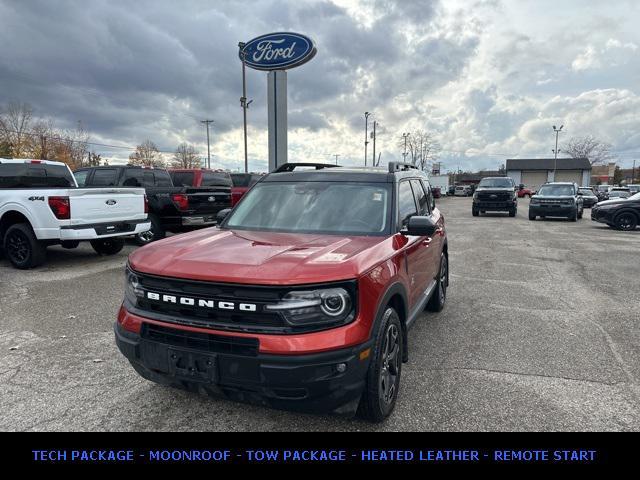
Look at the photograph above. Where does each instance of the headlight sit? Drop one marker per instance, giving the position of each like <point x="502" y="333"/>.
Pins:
<point x="314" y="307"/>
<point x="132" y="289"/>
<point x="534" y="201"/>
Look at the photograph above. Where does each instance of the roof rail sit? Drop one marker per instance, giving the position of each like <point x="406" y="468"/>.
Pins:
<point x="290" y="167"/>
<point x="400" y="166"/>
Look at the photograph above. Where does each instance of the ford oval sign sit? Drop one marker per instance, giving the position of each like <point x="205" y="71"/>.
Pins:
<point x="278" y="51"/>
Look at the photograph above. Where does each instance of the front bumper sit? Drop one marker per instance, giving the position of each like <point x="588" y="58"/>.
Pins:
<point x="602" y="215"/>
<point x="552" y="210"/>
<point x="309" y="383"/>
<point x="104" y="230"/>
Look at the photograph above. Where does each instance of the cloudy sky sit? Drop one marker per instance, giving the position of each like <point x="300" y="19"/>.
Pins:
<point x="487" y="78"/>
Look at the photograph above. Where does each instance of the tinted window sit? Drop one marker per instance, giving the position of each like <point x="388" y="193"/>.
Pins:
<point x="134" y="178"/>
<point x="556" y="190"/>
<point x="406" y="203"/>
<point x="221" y="178"/>
<point x="505" y="182"/>
<point x="162" y="178"/>
<point x="104" y="177"/>
<point x="421" y="197"/>
<point x="182" y="179"/>
<point x="81" y="177"/>
<point x="24" y="175"/>
<point x="245" y="179"/>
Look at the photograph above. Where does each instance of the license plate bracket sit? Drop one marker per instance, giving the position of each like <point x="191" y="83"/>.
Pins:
<point x="193" y="366"/>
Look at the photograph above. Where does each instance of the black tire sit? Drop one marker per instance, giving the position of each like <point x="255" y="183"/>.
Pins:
<point x="475" y="212"/>
<point x="70" y="244"/>
<point x="513" y="212"/>
<point x="383" y="376"/>
<point x="108" y="246"/>
<point x="22" y="248"/>
<point x="574" y="216"/>
<point x="581" y="212"/>
<point x="625" y="221"/>
<point x="531" y="216"/>
<point x="439" y="295"/>
<point x="156" y="232"/>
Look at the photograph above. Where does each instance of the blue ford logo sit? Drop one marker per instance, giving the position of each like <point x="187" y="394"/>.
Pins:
<point x="110" y="202"/>
<point x="278" y="51"/>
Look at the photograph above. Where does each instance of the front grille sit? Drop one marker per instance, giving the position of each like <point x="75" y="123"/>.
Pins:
<point x="235" y="319"/>
<point x="200" y="341"/>
<point x="494" y="197"/>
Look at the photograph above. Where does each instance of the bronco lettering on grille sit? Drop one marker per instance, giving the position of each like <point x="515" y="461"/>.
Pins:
<point x="193" y="302"/>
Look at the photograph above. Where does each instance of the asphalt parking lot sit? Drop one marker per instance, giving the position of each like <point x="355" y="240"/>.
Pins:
<point x="541" y="332"/>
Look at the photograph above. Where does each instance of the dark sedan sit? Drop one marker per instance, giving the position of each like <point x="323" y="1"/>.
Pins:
<point x="589" y="198"/>
<point x="621" y="213"/>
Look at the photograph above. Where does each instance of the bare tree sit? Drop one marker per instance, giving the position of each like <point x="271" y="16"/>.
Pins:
<point x="596" y="151"/>
<point x="186" y="157"/>
<point x="422" y="148"/>
<point x="95" y="159"/>
<point x="147" y="155"/>
<point x="15" y="122"/>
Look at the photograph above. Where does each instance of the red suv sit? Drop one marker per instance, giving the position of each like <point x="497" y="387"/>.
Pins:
<point x="302" y="298"/>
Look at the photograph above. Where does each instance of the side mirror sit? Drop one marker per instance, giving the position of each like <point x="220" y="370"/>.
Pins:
<point x="222" y="214"/>
<point x="420" y="226"/>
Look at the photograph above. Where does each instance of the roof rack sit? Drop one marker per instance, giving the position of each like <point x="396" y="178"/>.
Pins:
<point x="400" y="166"/>
<point x="290" y="167"/>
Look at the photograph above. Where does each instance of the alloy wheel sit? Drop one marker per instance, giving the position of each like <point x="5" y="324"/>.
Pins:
<point x="18" y="247"/>
<point x="390" y="364"/>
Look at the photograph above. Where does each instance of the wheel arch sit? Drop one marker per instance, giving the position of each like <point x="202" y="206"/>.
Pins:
<point x="396" y="297"/>
<point x="11" y="217"/>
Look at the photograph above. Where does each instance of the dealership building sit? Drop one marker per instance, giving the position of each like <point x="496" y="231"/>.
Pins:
<point x="533" y="172"/>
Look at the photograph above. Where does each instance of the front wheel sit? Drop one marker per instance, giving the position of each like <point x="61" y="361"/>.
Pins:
<point x="475" y="212"/>
<point x="531" y="216"/>
<point x="108" y="246"/>
<point x="383" y="377"/>
<point x="626" y="221"/>
<point x="513" y="212"/>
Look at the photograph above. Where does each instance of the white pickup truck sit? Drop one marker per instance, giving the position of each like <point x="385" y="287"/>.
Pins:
<point x="41" y="205"/>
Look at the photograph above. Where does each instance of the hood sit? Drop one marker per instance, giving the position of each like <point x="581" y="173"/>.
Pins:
<point x="241" y="256"/>
<point x="554" y="197"/>
<point x="612" y="201"/>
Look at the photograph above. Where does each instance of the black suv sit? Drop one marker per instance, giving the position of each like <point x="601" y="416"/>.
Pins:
<point x="557" y="199"/>
<point x="495" y="194"/>
<point x="621" y="213"/>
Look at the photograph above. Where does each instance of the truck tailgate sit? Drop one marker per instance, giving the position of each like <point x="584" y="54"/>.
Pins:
<point x="104" y="205"/>
<point x="209" y="199"/>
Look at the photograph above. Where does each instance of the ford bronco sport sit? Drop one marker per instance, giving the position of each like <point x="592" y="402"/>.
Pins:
<point x="301" y="298"/>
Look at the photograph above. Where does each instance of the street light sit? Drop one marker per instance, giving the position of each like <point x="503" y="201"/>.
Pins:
<point x="404" y="155"/>
<point x="366" y="139"/>
<point x="555" y="152"/>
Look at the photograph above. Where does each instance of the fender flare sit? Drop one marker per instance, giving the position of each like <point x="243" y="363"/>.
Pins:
<point x="396" y="288"/>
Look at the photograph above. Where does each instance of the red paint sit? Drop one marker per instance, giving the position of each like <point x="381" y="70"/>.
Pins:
<point x="266" y="258"/>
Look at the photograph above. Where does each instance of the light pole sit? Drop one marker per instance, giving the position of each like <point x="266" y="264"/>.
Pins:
<point x="207" y="122"/>
<point x="244" y="104"/>
<point x="366" y="138"/>
<point x="555" y="152"/>
<point x="373" y="135"/>
<point x="404" y="155"/>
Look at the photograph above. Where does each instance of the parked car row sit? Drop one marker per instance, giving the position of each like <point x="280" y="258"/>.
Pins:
<point x="43" y="203"/>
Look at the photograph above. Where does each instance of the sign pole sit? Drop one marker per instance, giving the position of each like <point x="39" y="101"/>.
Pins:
<point x="277" y="114"/>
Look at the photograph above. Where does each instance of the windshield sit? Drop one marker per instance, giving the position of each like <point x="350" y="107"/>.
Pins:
<point x="619" y="194"/>
<point x="556" y="190"/>
<point x="587" y="192"/>
<point x="635" y="197"/>
<point x="315" y="207"/>
<point x="496" y="183"/>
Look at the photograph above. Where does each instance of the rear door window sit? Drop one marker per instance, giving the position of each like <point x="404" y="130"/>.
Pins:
<point x="13" y="175"/>
<point x="162" y="178"/>
<point x="104" y="177"/>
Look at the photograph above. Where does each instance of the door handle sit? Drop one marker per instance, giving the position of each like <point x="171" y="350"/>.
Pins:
<point x="427" y="241"/>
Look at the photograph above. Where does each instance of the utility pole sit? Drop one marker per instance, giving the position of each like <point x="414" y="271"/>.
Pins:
<point x="633" y="172"/>
<point x="373" y="135"/>
<point x="207" y="122"/>
<point x="244" y="104"/>
<point x="404" y="155"/>
<point x="366" y="135"/>
<point x="555" y="152"/>
<point x="336" y="155"/>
